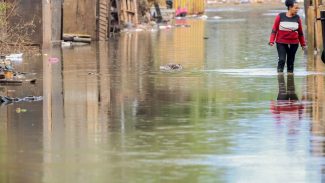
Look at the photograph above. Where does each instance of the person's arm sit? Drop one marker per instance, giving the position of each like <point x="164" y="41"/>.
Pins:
<point x="301" y="34"/>
<point x="275" y="30"/>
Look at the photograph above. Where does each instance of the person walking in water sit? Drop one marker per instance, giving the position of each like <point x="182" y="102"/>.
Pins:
<point x="287" y="32"/>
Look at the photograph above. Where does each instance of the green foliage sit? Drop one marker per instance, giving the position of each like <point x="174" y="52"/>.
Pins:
<point x="2" y="7"/>
<point x="5" y="6"/>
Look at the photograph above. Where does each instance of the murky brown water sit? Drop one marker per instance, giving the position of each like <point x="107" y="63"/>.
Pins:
<point x="110" y="115"/>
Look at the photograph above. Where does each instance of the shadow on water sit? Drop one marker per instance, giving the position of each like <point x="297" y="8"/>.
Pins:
<point x="110" y="114"/>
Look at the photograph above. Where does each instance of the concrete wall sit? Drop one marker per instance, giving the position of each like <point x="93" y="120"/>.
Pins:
<point x="80" y="17"/>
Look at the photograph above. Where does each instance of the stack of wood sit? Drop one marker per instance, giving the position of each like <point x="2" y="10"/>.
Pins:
<point x="103" y="21"/>
<point x="115" y="13"/>
<point x="82" y="38"/>
<point x="129" y="12"/>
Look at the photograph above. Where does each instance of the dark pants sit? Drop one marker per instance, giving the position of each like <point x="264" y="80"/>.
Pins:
<point x="286" y="52"/>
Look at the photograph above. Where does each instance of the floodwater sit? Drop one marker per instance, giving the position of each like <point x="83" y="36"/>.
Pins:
<point x="110" y="115"/>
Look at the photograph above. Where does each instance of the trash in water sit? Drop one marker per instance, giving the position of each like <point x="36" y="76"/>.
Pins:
<point x="68" y="44"/>
<point x="217" y="17"/>
<point x="82" y="38"/>
<point x="4" y="100"/>
<point x="20" y="110"/>
<point x="33" y="81"/>
<point x="9" y="76"/>
<point x="15" y="57"/>
<point x="6" y="69"/>
<point x="171" y="67"/>
<point x="204" y="17"/>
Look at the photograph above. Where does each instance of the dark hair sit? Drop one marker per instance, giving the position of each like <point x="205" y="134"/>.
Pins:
<point x="290" y="3"/>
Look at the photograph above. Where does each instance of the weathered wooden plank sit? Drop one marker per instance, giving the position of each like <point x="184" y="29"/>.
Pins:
<point x="81" y="17"/>
<point x="318" y="31"/>
<point x="136" y="20"/>
<point x="311" y="28"/>
<point x="103" y="19"/>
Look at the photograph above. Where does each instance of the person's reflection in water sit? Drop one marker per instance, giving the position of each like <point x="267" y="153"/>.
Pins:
<point x="287" y="107"/>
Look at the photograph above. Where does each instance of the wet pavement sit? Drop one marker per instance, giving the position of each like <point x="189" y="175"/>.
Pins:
<point x="110" y="115"/>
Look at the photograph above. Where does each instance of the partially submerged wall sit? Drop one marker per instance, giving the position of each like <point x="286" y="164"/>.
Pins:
<point x="80" y="17"/>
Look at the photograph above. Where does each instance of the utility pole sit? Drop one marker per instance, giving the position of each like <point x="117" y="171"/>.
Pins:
<point x="52" y="22"/>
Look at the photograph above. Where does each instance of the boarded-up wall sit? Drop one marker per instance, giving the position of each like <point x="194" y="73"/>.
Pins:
<point x="80" y="17"/>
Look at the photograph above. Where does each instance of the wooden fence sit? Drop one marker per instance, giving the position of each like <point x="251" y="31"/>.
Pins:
<point x="193" y="6"/>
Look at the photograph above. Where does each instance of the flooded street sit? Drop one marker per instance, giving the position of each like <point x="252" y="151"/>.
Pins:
<point x="110" y="115"/>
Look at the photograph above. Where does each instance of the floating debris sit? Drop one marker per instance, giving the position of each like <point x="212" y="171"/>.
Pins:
<point x="65" y="44"/>
<point x="15" y="57"/>
<point x="81" y="38"/>
<point x="6" y="69"/>
<point x="217" y="17"/>
<point x="204" y="17"/>
<point x="4" y="100"/>
<point x="20" y="110"/>
<point x="171" y="67"/>
<point x="10" y="77"/>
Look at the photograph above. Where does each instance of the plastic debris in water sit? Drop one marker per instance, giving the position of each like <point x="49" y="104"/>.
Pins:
<point x="20" y="110"/>
<point x="217" y="17"/>
<point x="66" y="44"/>
<point x="9" y="100"/>
<point x="171" y="67"/>
<point x="15" y="57"/>
<point x="204" y="17"/>
<point x="18" y="55"/>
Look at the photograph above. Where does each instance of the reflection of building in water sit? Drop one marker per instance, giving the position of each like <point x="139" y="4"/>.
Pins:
<point x="130" y="76"/>
<point x="101" y="87"/>
<point x="184" y="45"/>
<point x="99" y="81"/>
<point x="316" y="94"/>
<point x="3" y="140"/>
<point x="19" y="142"/>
